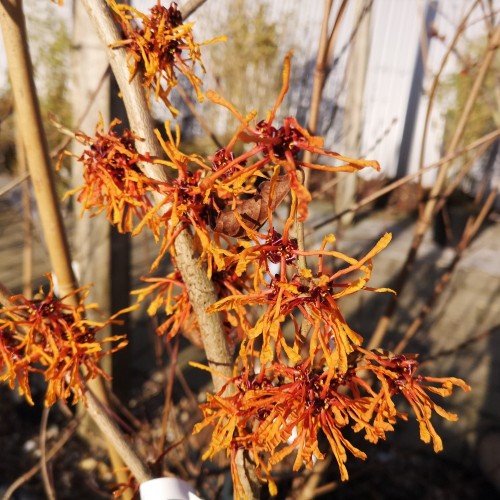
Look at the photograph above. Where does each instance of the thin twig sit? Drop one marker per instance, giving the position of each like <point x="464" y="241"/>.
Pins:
<point x="429" y="209"/>
<point x="167" y="405"/>
<point x="46" y="479"/>
<point x="185" y="387"/>
<point x="77" y="124"/>
<point x="200" y="118"/>
<point x="459" y="347"/>
<point x="354" y="32"/>
<point x="310" y="488"/>
<point x="51" y="453"/>
<point x="437" y="77"/>
<point x="191" y="7"/>
<point x="469" y="233"/>
<point x="324" y="188"/>
<point x="320" y="71"/>
<point x="325" y="50"/>
<point x="326" y="488"/>
<point x="131" y="423"/>
<point x="464" y="170"/>
<point x="334" y="34"/>
<point x="14" y="182"/>
<point x="116" y="438"/>
<point x="299" y="229"/>
<point x="479" y="143"/>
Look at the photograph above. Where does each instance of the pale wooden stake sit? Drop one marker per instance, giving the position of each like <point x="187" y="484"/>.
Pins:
<point x="29" y="121"/>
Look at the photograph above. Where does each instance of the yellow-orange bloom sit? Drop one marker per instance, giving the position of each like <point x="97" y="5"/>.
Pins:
<point x="54" y="338"/>
<point x="114" y="184"/>
<point x="161" y="46"/>
<point x="281" y="146"/>
<point x="281" y="410"/>
<point x="311" y="295"/>
<point x="397" y="375"/>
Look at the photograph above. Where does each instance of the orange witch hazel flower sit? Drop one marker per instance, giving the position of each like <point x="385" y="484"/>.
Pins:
<point x="190" y="204"/>
<point x="282" y="410"/>
<point x="51" y="337"/>
<point x="278" y="145"/>
<point x="289" y="392"/>
<point x="170" y="294"/>
<point x="397" y="375"/>
<point x="113" y="181"/>
<point x="277" y="411"/>
<point x="162" y="46"/>
<point x="312" y="296"/>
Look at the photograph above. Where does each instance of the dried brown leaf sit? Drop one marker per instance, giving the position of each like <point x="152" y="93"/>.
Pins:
<point x="254" y="211"/>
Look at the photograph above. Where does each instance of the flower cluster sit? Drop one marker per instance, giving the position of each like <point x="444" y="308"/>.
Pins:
<point x="281" y="410"/>
<point x="301" y="372"/>
<point x="273" y="145"/>
<point x="169" y="294"/>
<point x="161" y="46"/>
<point x="313" y="296"/>
<point x="51" y="337"/>
<point x="113" y="182"/>
<point x="222" y="197"/>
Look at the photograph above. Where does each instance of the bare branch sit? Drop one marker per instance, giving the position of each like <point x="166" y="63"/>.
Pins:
<point x="191" y="7"/>
<point x="194" y="273"/>
<point x="51" y="453"/>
